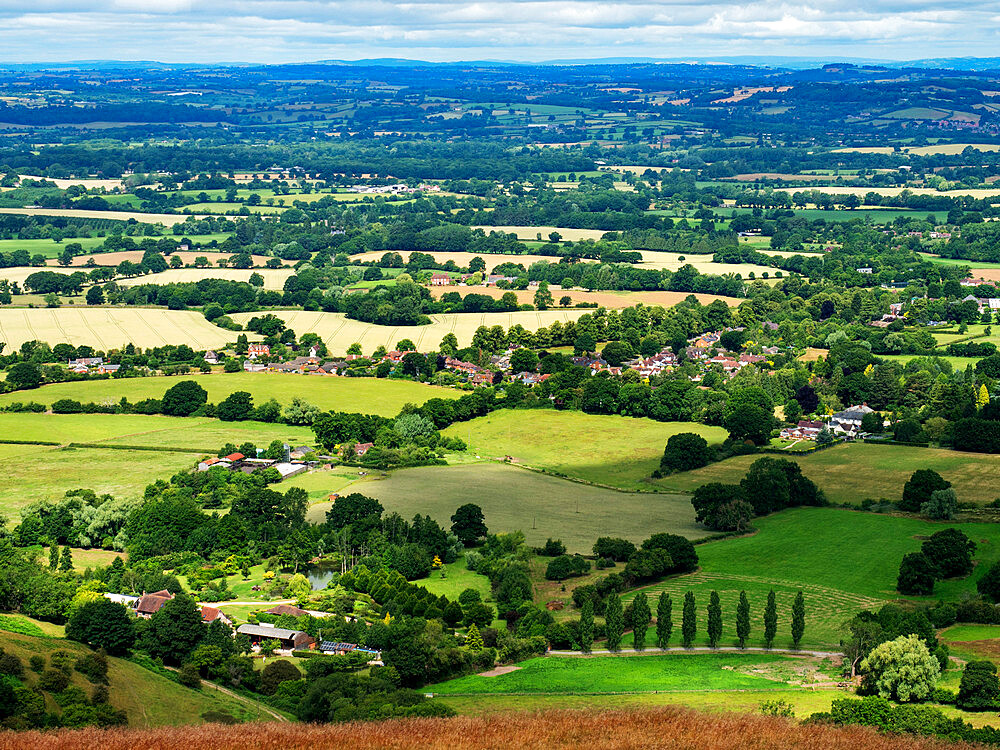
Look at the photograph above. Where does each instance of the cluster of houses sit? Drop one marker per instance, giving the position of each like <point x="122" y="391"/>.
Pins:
<point x="844" y="424"/>
<point x="147" y="605"/>
<point x="92" y="366"/>
<point x="290" y="465"/>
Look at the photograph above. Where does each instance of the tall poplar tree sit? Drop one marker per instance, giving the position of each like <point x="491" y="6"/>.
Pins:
<point x="743" y="619"/>
<point x="714" y="619"/>
<point x="770" y="620"/>
<point x="614" y="622"/>
<point x="664" y="619"/>
<point x="640" y="620"/>
<point x="798" y="619"/>
<point x="689" y="625"/>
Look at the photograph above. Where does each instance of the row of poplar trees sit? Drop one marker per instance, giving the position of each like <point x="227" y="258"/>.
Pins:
<point x="614" y="619"/>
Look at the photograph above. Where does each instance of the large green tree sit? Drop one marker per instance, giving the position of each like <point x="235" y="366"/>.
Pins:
<point x="919" y="488"/>
<point x="689" y="623"/>
<point x="469" y="524"/>
<point x="641" y="617"/>
<point x="102" y="623"/>
<point x="798" y="619"/>
<point x="184" y="398"/>
<point x="770" y="619"/>
<point x="743" y="619"/>
<point x="175" y="631"/>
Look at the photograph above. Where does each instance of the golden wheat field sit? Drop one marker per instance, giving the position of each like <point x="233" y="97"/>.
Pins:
<point x="675" y="728"/>
<point x="339" y="332"/>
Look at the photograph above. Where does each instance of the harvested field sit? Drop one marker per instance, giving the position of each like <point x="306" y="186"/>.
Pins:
<point x="88" y="182"/>
<point x="894" y="191"/>
<point x="339" y="332"/>
<point x="187" y="257"/>
<point x="274" y="278"/>
<point x="942" y="148"/>
<point x="110" y="327"/>
<point x="78" y="213"/>
<point x="548" y="730"/>
<point x="462" y="259"/>
<point x="531" y="233"/>
<point x="610" y="300"/>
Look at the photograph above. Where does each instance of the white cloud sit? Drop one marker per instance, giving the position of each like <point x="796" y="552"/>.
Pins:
<point x="290" y="30"/>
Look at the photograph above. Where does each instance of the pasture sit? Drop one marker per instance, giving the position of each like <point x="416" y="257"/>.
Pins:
<point x="610" y="450"/>
<point x="367" y="395"/>
<point x="614" y="674"/>
<point x="110" y="327"/>
<point x="513" y="499"/>
<point x="148" y="698"/>
<point x="843" y="561"/>
<point x="852" y="472"/>
<point x="339" y="332"/>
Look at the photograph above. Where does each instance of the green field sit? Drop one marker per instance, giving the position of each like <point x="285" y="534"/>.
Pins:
<point x="843" y="561"/>
<point x="611" y="450"/>
<point x="613" y="674"/>
<point x="149" y="699"/>
<point x="366" y="395"/>
<point x="456" y="578"/>
<point x="971" y="633"/>
<point x="35" y="472"/>
<point x="852" y="472"/>
<point x="514" y="499"/>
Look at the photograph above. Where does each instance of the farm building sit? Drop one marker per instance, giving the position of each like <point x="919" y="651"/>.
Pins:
<point x="440" y="279"/>
<point x="289" y="639"/>
<point x="149" y="604"/>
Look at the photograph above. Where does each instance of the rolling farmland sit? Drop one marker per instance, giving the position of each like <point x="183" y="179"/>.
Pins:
<point x="339" y="332"/>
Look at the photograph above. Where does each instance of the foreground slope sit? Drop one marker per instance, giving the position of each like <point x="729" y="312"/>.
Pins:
<point x="606" y="730"/>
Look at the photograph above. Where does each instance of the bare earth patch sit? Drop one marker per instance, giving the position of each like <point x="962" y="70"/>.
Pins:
<point x="497" y="671"/>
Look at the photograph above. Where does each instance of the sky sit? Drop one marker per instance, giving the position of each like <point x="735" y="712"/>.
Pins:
<point x="274" y="31"/>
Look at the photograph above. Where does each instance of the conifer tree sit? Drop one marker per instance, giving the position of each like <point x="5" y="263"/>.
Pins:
<point x="770" y="620"/>
<point x="640" y="620"/>
<point x="714" y="619"/>
<point x="743" y="619"/>
<point x="66" y="563"/>
<point x="798" y="619"/>
<point x="614" y="622"/>
<point x="587" y="627"/>
<point x="689" y="625"/>
<point x="664" y="619"/>
<point x="54" y="557"/>
<point x="473" y="639"/>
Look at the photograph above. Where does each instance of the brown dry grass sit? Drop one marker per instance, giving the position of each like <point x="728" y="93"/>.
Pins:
<point x="551" y="730"/>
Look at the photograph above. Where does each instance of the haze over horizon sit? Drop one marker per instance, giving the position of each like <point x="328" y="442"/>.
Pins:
<point x="276" y="31"/>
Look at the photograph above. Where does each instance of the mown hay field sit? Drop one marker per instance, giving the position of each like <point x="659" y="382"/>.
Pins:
<point x="598" y="729"/>
<point x="851" y="473"/>
<point x="339" y="332"/>
<point x="531" y="233"/>
<point x="611" y="450"/>
<point x="514" y="499"/>
<point x="274" y="278"/>
<point x="110" y="327"/>
<point x="610" y="300"/>
<point x="366" y="395"/>
<point x="941" y="148"/>
<point x="843" y="561"/>
<point x="167" y="220"/>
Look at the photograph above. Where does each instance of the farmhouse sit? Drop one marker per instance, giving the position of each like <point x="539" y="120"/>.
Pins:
<point x="440" y="279"/>
<point x="848" y="421"/>
<point x="149" y="604"/>
<point x="290" y="640"/>
<point x="258" y="350"/>
<point x="804" y="430"/>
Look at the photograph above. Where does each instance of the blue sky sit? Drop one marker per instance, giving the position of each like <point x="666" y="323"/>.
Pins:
<point x="531" y="30"/>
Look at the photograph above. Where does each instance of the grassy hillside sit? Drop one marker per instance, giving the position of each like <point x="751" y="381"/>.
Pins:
<point x="149" y="699"/>
<point x="601" y="729"/>
<point x="842" y="561"/>
<point x="366" y="395"/>
<point x="851" y="473"/>
<point x="612" y="450"/>
<point x="514" y="499"/>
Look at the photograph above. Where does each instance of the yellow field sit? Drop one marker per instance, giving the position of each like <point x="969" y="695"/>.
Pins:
<point x="78" y="213"/>
<point x="339" y="332"/>
<point x="944" y="148"/>
<point x="704" y="263"/>
<point x="110" y="327"/>
<point x="87" y="182"/>
<point x="462" y="259"/>
<point x="274" y="278"/>
<point x="610" y="300"/>
<point x="530" y="233"/>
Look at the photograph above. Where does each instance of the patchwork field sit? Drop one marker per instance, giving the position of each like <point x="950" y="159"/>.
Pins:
<point x="843" y="561"/>
<point x="611" y="450"/>
<point x="610" y="300"/>
<point x="339" y="332"/>
<point x="851" y="473"/>
<point x="110" y="327"/>
<point x="513" y="499"/>
<point x="367" y="395"/>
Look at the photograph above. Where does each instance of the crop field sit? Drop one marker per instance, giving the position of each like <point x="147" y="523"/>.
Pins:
<point x="513" y="499"/>
<point x="187" y="257"/>
<point x="149" y="699"/>
<point x="110" y="327"/>
<point x="894" y="191"/>
<point x="367" y="395"/>
<point x="339" y="332"/>
<point x="704" y="264"/>
<point x="613" y="674"/>
<point x="843" y="561"/>
<point x="531" y="233"/>
<point x="274" y="278"/>
<point x="47" y="247"/>
<point x="958" y="363"/>
<point x="850" y="473"/>
<point x="611" y="450"/>
<point x="492" y="260"/>
<point x="941" y="148"/>
<point x="610" y="300"/>
<point x="167" y="220"/>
